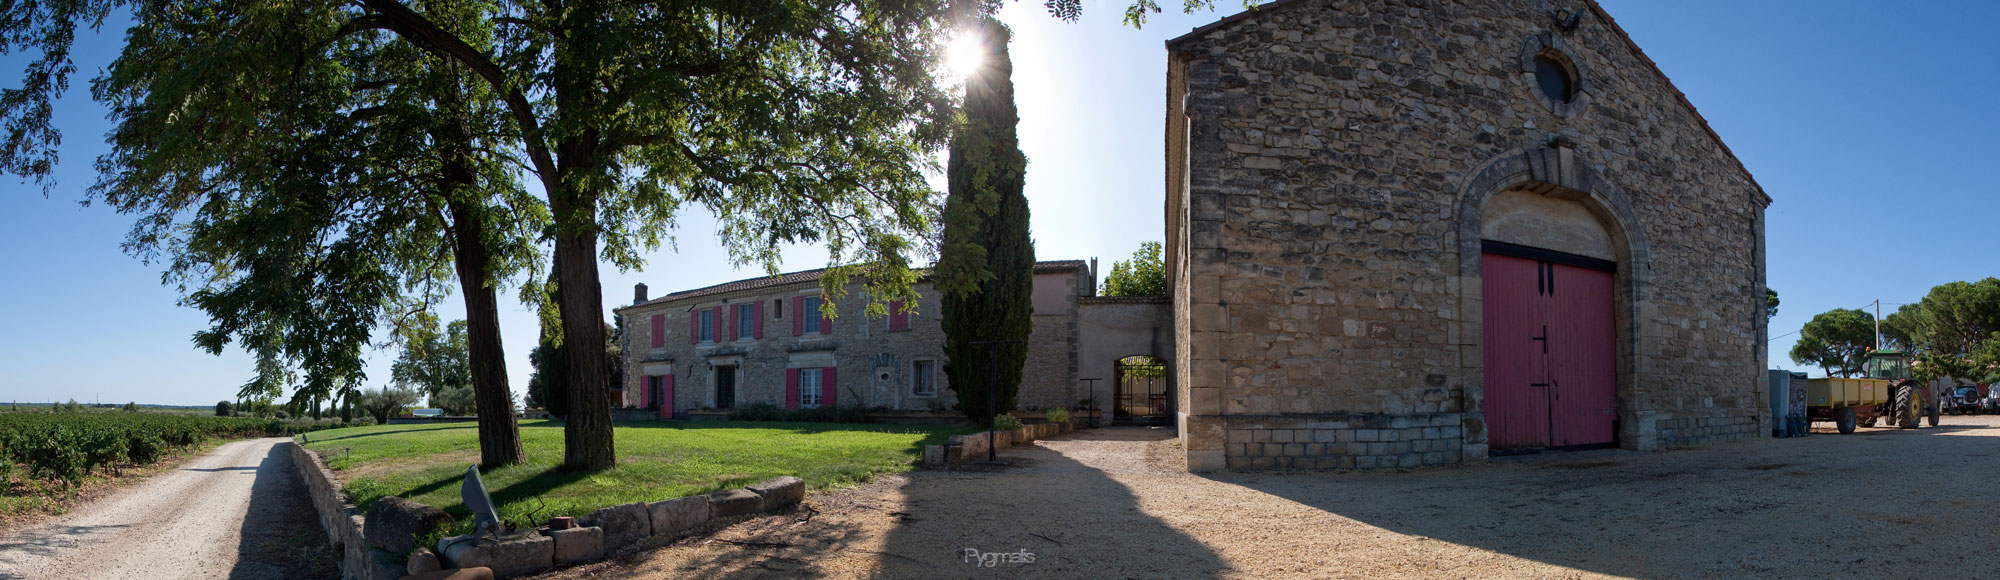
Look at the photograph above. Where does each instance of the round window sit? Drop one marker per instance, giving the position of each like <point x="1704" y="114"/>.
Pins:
<point x="1555" y="77"/>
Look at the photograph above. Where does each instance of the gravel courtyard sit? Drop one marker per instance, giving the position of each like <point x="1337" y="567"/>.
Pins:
<point x="1108" y="503"/>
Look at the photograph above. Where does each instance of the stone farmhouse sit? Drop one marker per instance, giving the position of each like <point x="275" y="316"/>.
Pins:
<point x="1407" y="233"/>
<point x="763" y="340"/>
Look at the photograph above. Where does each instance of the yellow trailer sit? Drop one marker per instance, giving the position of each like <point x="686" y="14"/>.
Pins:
<point x="1887" y="391"/>
<point x="1839" y="392"/>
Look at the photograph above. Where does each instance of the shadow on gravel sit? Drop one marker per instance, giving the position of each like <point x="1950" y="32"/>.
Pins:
<point x="281" y="535"/>
<point x="44" y="542"/>
<point x="1872" y="504"/>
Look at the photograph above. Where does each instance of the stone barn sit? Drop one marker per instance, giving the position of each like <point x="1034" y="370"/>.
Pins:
<point x="1418" y="232"/>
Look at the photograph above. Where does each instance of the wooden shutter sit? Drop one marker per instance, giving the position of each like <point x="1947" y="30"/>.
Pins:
<point x="757" y="319"/>
<point x="667" y="397"/>
<point x="899" y="317"/>
<point x="659" y="331"/>
<point x="798" y="315"/>
<point x="694" y="327"/>
<point x="791" y="388"/>
<point x="717" y="331"/>
<point x="732" y="322"/>
<point x="826" y="390"/>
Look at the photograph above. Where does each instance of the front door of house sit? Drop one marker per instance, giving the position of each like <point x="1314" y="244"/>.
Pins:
<point x="725" y="386"/>
<point x="1550" y="350"/>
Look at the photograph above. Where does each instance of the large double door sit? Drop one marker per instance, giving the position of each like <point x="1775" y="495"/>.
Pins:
<point x="1550" y="350"/>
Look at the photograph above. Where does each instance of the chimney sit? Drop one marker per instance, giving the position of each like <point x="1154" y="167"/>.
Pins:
<point x="639" y="293"/>
<point x="1093" y="277"/>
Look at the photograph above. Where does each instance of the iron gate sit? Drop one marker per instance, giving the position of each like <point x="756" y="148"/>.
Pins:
<point x="1139" y="396"/>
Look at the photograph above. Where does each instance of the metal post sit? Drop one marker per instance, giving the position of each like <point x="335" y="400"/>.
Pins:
<point x="1878" y="324"/>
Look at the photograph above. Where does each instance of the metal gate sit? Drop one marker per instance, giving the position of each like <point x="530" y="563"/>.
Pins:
<point x="1550" y="350"/>
<point x="1139" y="395"/>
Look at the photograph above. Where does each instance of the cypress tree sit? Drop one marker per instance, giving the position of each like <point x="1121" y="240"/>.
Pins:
<point x="985" y="269"/>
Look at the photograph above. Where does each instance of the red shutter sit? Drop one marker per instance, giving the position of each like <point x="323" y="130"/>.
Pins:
<point x="694" y="326"/>
<point x="667" y="397"/>
<point x="732" y="323"/>
<point x="718" y="324"/>
<point x="798" y="315"/>
<point x="899" y="317"/>
<point x="757" y="319"/>
<point x="826" y="390"/>
<point x="791" y="388"/>
<point x="646" y="393"/>
<point x="659" y="331"/>
<point x="825" y="322"/>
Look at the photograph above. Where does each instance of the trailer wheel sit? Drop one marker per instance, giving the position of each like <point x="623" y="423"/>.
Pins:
<point x="1934" y="416"/>
<point x="1904" y="407"/>
<point x="1844" y="419"/>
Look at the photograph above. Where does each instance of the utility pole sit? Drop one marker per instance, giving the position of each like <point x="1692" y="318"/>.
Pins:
<point x="1878" y="324"/>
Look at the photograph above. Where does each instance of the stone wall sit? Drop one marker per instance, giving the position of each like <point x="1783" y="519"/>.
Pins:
<point x="1117" y="327"/>
<point x="875" y="365"/>
<point x="1323" y="209"/>
<point x="342" y="521"/>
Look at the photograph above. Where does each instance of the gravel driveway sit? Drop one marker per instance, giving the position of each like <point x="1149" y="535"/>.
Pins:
<point x="239" y="512"/>
<point x="1107" y="503"/>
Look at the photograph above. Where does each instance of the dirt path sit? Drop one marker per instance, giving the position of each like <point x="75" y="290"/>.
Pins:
<point x="1109" y="503"/>
<point x="239" y="512"/>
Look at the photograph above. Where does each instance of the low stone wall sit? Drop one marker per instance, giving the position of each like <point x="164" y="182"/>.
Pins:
<point x="1350" y="441"/>
<point x="962" y="448"/>
<point x="528" y="552"/>
<point x="343" y="522"/>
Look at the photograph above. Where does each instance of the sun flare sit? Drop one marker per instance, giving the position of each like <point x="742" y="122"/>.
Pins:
<point x="965" y="54"/>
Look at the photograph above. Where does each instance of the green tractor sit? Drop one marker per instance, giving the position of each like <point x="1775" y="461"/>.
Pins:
<point x="1910" y="400"/>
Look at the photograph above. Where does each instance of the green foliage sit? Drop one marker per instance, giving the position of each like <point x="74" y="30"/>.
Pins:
<point x="387" y="401"/>
<point x="986" y="261"/>
<point x="1056" y="416"/>
<point x="547" y="386"/>
<point x="434" y="361"/>
<point x="66" y="446"/>
<point x="130" y="407"/>
<point x="1144" y="275"/>
<point x="1770" y="303"/>
<point x="1006" y="422"/>
<point x="1837" y="341"/>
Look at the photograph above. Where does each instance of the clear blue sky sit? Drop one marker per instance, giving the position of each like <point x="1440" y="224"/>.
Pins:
<point x="1866" y="123"/>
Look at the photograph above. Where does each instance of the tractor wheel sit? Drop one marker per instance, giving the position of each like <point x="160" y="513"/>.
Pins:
<point x="1868" y="421"/>
<point x="1844" y="419"/>
<point x="1904" y="408"/>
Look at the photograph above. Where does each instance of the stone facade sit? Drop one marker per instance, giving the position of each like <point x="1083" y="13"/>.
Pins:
<point x="1329" y="165"/>
<point x="873" y="365"/>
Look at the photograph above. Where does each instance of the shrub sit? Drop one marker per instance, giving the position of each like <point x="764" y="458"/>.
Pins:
<point x="222" y="409"/>
<point x="758" y="412"/>
<point x="1056" y="416"/>
<point x="58" y="454"/>
<point x="1006" y="422"/>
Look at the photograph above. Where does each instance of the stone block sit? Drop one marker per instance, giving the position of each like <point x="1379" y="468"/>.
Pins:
<point x="475" y="573"/>
<point x="780" y="492"/>
<point x="422" y="561"/>
<point x="676" y="516"/>
<point x="734" y="502"/>
<point x="578" y="545"/>
<point x="395" y="524"/>
<point x="934" y="456"/>
<point x="510" y="555"/>
<point x="623" y="524"/>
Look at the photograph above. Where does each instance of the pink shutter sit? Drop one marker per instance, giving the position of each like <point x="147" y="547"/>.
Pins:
<point x="667" y="397"/>
<point x="899" y="318"/>
<point x="826" y="390"/>
<point x="732" y="323"/>
<point x="757" y="319"/>
<point x="791" y="388"/>
<point x="798" y="315"/>
<point x="718" y="323"/>
<point x="659" y="331"/>
<point x="825" y="322"/>
<point x="646" y="394"/>
<point x="694" y="326"/>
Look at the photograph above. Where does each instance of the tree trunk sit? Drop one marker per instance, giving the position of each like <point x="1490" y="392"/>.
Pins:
<point x="587" y="439"/>
<point x="499" y="436"/>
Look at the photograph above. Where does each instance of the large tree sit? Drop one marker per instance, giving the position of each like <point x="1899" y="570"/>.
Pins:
<point x="985" y="271"/>
<point x="1837" y="341"/>
<point x="433" y="362"/>
<point x="1143" y="275"/>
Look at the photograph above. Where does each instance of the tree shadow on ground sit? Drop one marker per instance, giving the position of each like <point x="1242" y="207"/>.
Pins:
<point x="1046" y="515"/>
<point x="1874" y="505"/>
<point x="44" y="542"/>
<point x="281" y="536"/>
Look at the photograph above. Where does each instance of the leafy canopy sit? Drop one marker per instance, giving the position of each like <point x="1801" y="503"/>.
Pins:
<point x="1143" y="275"/>
<point x="1837" y="341"/>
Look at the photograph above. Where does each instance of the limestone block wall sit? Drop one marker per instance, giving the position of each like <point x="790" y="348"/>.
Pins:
<point x="1328" y="165"/>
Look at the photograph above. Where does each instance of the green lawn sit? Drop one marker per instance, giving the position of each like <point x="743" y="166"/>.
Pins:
<point x="656" y="461"/>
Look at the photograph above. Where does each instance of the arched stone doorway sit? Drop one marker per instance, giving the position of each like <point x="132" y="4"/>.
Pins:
<point x="1557" y="267"/>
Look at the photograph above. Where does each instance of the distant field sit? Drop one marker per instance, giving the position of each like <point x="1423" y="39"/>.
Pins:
<point x="656" y="461"/>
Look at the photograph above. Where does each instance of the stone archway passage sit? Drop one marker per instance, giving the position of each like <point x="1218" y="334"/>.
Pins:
<point x="1550" y="348"/>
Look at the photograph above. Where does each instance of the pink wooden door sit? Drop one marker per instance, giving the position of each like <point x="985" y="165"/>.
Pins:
<point x="1583" y="354"/>
<point x="1516" y="404"/>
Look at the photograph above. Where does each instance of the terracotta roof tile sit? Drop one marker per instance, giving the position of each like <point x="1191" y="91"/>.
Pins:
<point x="810" y="276"/>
